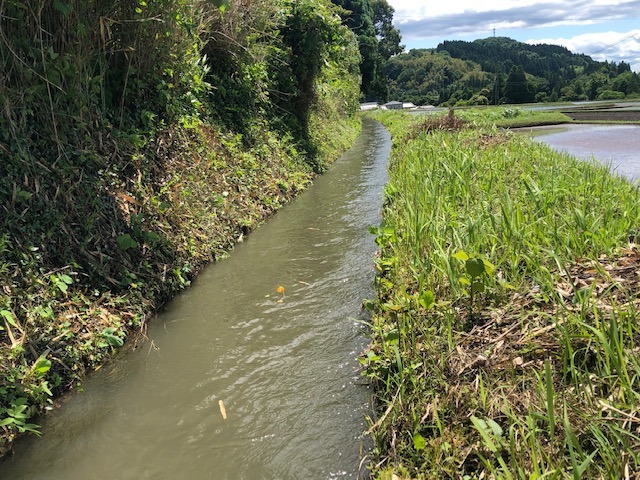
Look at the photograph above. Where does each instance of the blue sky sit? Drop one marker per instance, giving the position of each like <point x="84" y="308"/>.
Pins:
<point x="605" y="30"/>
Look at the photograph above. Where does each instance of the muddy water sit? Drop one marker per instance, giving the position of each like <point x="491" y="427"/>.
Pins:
<point x="615" y="145"/>
<point x="285" y="372"/>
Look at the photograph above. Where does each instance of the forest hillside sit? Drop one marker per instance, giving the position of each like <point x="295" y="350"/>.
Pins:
<point x="499" y="70"/>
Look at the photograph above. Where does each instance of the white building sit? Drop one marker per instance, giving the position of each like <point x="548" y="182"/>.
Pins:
<point x="394" y="105"/>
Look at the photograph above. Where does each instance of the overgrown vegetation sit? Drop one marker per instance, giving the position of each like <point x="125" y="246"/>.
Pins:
<point x="500" y="70"/>
<point x="505" y="330"/>
<point x="139" y="140"/>
<point x="378" y="39"/>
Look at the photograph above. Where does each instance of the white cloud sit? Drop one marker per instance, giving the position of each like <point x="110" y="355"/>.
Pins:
<point x="412" y="10"/>
<point x="446" y="20"/>
<point x="611" y="46"/>
<point x="421" y="22"/>
<point x="536" y="11"/>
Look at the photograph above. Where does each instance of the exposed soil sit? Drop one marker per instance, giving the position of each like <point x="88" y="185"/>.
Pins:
<point x="597" y="115"/>
<point x="497" y="344"/>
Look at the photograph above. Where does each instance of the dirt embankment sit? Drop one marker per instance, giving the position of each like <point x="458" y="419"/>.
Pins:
<point x="599" y="114"/>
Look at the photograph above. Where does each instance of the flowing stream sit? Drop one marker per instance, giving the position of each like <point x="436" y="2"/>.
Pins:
<point x="286" y="372"/>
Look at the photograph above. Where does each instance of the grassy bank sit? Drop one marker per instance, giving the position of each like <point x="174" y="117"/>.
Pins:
<point x="505" y="329"/>
<point x="511" y="117"/>
<point x="139" y="141"/>
<point x="517" y="117"/>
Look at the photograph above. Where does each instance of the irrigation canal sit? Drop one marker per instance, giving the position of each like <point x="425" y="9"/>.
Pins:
<point x="284" y="365"/>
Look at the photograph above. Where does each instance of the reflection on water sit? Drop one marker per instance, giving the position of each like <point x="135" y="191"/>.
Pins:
<point x="614" y="145"/>
<point x="286" y="372"/>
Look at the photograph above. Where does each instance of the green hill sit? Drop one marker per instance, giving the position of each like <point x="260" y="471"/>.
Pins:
<point x="502" y="70"/>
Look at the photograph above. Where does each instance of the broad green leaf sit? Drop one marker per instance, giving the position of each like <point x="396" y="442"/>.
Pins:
<point x="125" y="242"/>
<point x="475" y="267"/>
<point x="6" y="421"/>
<point x="113" y="340"/>
<point x="23" y="195"/>
<point x="419" y="443"/>
<point x="392" y="336"/>
<point x="62" y="286"/>
<point x="372" y="357"/>
<point x="494" y="426"/>
<point x="52" y="53"/>
<point x="42" y="366"/>
<point x="17" y="412"/>
<point x="28" y="427"/>
<point x="393" y="307"/>
<point x="8" y="316"/>
<point x="506" y="285"/>
<point x="151" y="237"/>
<point x="461" y="255"/>
<point x="477" y="287"/>
<point x="427" y="299"/>
<point x="489" y="267"/>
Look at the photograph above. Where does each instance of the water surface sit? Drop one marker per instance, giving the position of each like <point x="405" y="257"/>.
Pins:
<point x="617" y="146"/>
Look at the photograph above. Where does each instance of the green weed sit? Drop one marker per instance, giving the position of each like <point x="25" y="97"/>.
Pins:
<point x="544" y="383"/>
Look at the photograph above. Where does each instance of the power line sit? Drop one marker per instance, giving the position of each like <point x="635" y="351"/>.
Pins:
<point x="631" y="35"/>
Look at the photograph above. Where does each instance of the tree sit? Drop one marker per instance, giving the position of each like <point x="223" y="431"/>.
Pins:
<point x="627" y="82"/>
<point x="314" y="35"/>
<point x="379" y="40"/>
<point x="388" y="36"/>
<point x="358" y="16"/>
<point x="517" y="88"/>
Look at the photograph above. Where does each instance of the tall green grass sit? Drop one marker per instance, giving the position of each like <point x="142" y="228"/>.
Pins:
<point x="505" y="328"/>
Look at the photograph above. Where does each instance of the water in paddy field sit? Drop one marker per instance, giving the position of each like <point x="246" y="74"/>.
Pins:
<point x="285" y="372"/>
<point x="614" y="145"/>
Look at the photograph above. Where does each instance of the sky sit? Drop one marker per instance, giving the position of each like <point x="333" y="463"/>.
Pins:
<point x="605" y="30"/>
